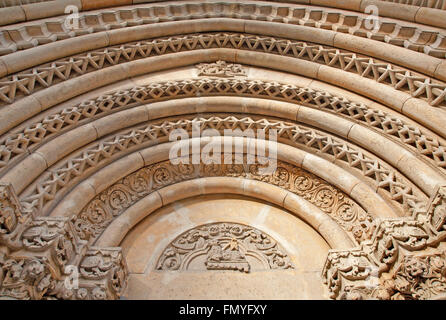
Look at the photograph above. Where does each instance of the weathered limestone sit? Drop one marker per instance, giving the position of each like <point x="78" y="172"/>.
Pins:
<point x="87" y="178"/>
<point x="39" y="250"/>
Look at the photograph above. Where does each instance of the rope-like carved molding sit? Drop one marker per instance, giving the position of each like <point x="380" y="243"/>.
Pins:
<point x="44" y="76"/>
<point x="227" y="246"/>
<point x="14" y="146"/>
<point x="37" y="251"/>
<point x="399" y="248"/>
<point x="51" y="183"/>
<point x="112" y="202"/>
<point x="399" y="34"/>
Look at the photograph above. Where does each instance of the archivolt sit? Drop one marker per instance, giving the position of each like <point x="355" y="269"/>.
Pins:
<point x="333" y="232"/>
<point x="417" y="109"/>
<point x="191" y="180"/>
<point x="399" y="33"/>
<point x="28" y="138"/>
<point x="48" y="185"/>
<point x="106" y="194"/>
<point x="44" y="76"/>
<point x="40" y="194"/>
<point x="105" y="160"/>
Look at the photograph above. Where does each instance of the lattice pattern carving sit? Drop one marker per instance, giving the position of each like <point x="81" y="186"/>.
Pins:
<point x="384" y="177"/>
<point x="16" y="144"/>
<point x="44" y="76"/>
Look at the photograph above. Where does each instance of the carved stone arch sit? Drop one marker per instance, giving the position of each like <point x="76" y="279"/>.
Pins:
<point x="308" y="139"/>
<point x="308" y="207"/>
<point x="57" y="122"/>
<point x="85" y="115"/>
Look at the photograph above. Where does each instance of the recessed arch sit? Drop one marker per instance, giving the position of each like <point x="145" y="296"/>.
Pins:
<point x="86" y="117"/>
<point x="330" y="231"/>
<point x="417" y="109"/>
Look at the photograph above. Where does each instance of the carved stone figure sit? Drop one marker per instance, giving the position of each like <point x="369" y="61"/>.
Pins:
<point x="228" y="257"/>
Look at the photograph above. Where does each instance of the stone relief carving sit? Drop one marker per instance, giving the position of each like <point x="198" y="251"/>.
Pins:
<point x="26" y="82"/>
<point x="436" y="213"/>
<point x="414" y="38"/>
<point x="416" y="277"/>
<point x="96" y="216"/>
<point x="10" y="209"/>
<point x="220" y="69"/>
<point x="388" y="180"/>
<point x="226" y="246"/>
<point x="17" y="144"/>
<point x="35" y="251"/>
<point x="397" y="257"/>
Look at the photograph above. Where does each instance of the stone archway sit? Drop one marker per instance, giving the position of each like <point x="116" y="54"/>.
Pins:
<point x="87" y="112"/>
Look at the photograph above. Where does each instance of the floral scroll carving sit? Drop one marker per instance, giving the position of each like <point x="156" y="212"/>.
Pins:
<point x="96" y="216"/>
<point x="226" y="246"/>
<point x="220" y="69"/>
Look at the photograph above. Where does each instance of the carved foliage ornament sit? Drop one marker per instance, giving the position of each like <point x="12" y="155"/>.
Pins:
<point x="98" y="214"/>
<point x="226" y="246"/>
<point x="220" y="69"/>
<point x="418" y="277"/>
<point x="35" y="254"/>
<point x="398" y="257"/>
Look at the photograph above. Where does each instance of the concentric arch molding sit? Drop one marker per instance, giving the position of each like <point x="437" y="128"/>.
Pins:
<point x="14" y="146"/>
<point x="224" y="246"/>
<point x="15" y="86"/>
<point x="116" y="199"/>
<point x="39" y="196"/>
<point x="398" y="33"/>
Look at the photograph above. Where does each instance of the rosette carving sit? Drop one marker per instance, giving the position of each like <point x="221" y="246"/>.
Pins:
<point x="95" y="217"/>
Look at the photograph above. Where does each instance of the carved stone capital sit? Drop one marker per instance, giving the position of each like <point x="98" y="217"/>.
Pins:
<point x="436" y="212"/>
<point x="34" y="264"/>
<point x="396" y="257"/>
